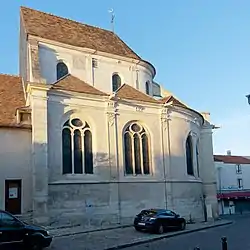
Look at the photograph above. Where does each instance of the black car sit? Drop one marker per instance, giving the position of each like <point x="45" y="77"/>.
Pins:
<point x="14" y="232"/>
<point x="158" y="220"/>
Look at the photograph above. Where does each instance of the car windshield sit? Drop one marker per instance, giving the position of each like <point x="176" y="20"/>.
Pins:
<point x="149" y="212"/>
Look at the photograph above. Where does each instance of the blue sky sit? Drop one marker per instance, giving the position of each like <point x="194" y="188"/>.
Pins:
<point x="200" y="48"/>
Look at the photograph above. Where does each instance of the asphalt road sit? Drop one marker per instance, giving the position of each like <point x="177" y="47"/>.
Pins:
<point x="238" y="235"/>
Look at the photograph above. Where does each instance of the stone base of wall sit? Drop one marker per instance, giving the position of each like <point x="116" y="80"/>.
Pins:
<point x="102" y="205"/>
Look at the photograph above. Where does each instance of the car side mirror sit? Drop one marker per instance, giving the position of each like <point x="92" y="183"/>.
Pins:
<point x="177" y="216"/>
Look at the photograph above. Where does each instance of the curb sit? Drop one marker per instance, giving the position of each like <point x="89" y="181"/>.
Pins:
<point x="89" y="231"/>
<point x="160" y="237"/>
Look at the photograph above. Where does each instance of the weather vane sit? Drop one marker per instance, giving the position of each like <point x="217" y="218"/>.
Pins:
<point x="112" y="19"/>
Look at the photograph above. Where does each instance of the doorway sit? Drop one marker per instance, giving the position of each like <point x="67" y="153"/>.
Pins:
<point x="13" y="199"/>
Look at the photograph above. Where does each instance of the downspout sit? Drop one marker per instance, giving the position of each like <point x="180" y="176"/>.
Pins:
<point x="163" y="119"/>
<point x="118" y="169"/>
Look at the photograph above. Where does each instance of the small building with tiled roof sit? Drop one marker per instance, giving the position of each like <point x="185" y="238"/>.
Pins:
<point x="233" y="183"/>
<point x="91" y="137"/>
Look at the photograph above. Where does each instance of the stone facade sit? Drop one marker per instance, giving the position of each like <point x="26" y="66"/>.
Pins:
<point x="109" y="195"/>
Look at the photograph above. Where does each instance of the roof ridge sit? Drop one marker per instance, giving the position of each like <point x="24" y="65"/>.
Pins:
<point x="12" y="75"/>
<point x="68" y="19"/>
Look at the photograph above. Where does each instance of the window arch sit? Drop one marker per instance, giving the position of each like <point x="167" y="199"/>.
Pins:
<point x="136" y="150"/>
<point x="147" y="87"/>
<point x="61" y="70"/>
<point x="116" y="82"/>
<point x="77" y="147"/>
<point x="189" y="155"/>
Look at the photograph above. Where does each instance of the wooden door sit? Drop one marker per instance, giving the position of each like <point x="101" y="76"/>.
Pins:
<point x="13" y="199"/>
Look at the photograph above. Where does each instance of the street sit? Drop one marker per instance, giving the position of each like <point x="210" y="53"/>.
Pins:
<point x="209" y="239"/>
<point x="238" y="235"/>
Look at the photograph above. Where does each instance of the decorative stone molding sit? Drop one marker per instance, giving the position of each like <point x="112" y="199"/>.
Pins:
<point x="111" y="118"/>
<point x="139" y="108"/>
<point x="193" y="134"/>
<point x="165" y="117"/>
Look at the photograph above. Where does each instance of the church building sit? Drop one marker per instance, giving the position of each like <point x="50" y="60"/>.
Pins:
<point x="88" y="137"/>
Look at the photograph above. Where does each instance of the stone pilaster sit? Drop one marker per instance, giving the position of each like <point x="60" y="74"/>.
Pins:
<point x="207" y="170"/>
<point x="166" y="152"/>
<point x="34" y="68"/>
<point x="38" y="101"/>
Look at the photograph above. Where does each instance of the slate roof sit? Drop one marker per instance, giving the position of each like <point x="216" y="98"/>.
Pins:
<point x="70" y="32"/>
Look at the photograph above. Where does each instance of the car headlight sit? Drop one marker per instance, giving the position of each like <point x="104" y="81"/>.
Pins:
<point x="47" y="232"/>
<point x="152" y="219"/>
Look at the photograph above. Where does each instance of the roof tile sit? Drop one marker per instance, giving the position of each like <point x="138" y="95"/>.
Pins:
<point x="233" y="159"/>
<point x="72" y="83"/>
<point x="70" y="32"/>
<point x="171" y="98"/>
<point x="11" y="98"/>
<point x="130" y="93"/>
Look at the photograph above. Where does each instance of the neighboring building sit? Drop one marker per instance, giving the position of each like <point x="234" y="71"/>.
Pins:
<point x="233" y="183"/>
<point x="88" y="137"/>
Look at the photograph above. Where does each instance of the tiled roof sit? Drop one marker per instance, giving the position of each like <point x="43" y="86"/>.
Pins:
<point x="11" y="98"/>
<point x="130" y="93"/>
<point x="66" y="31"/>
<point x="171" y="98"/>
<point x="72" y="83"/>
<point x="233" y="159"/>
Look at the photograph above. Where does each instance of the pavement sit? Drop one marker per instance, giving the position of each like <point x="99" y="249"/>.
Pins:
<point x="118" y="238"/>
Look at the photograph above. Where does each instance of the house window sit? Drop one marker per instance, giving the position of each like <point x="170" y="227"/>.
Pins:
<point x="136" y="150"/>
<point x="61" y="70"/>
<point x="77" y="147"/>
<point x="240" y="185"/>
<point x="189" y="156"/>
<point x="238" y="169"/>
<point x="147" y="87"/>
<point x="116" y="82"/>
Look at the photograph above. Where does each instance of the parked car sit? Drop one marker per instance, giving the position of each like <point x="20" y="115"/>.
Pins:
<point x="158" y="220"/>
<point x="14" y="232"/>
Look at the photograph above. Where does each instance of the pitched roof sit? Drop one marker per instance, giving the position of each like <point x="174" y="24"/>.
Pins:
<point x="11" y="98"/>
<point x="233" y="159"/>
<point x="72" y="83"/>
<point x="130" y="93"/>
<point x="171" y="98"/>
<point x="70" y="32"/>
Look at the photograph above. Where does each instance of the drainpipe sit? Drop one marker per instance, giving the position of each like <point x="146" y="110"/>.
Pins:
<point x="163" y="160"/>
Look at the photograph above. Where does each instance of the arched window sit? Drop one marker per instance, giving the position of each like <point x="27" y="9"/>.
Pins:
<point x="136" y="150"/>
<point x="77" y="147"/>
<point x="61" y="70"/>
<point x="147" y="87"/>
<point x="198" y="158"/>
<point x="116" y="82"/>
<point x="189" y="156"/>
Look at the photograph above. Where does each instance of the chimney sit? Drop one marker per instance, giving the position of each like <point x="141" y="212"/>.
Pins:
<point x="229" y="152"/>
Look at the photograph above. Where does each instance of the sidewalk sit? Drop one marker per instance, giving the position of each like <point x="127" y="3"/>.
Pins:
<point x="120" y="237"/>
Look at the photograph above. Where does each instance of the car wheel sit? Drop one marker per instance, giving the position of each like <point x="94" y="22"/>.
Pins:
<point x="183" y="225"/>
<point x="35" y="246"/>
<point x="160" y="229"/>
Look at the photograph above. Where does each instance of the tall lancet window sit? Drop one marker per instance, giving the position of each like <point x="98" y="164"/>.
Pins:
<point x="77" y="147"/>
<point x="61" y="70"/>
<point x="189" y="155"/>
<point x="136" y="150"/>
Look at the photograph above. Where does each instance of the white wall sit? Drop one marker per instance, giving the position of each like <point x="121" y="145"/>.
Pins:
<point x="80" y="65"/>
<point x="227" y="176"/>
<point x="15" y="163"/>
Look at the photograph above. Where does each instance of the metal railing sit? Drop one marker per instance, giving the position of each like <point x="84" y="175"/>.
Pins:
<point x="223" y="244"/>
